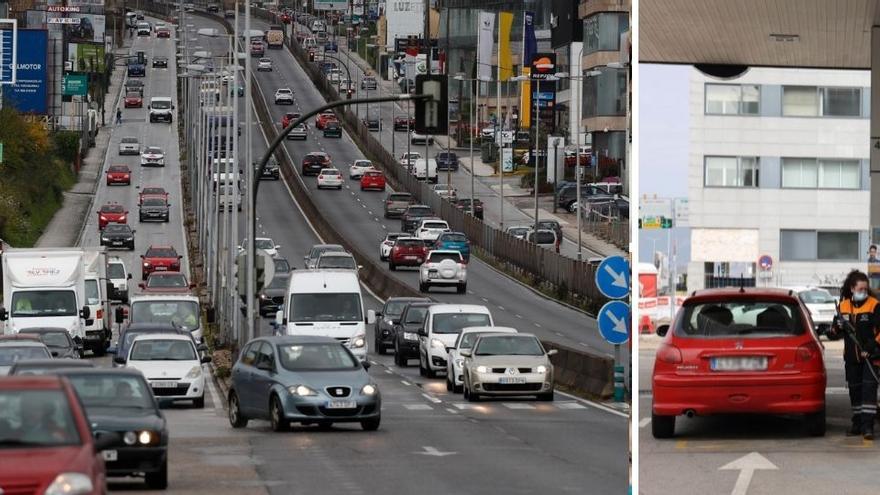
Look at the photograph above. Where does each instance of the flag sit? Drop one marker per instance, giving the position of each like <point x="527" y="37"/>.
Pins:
<point x="505" y="59"/>
<point x="530" y="43"/>
<point x="485" y="43"/>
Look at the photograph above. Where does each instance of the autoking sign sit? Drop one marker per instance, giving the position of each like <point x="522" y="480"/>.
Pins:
<point x="30" y="92"/>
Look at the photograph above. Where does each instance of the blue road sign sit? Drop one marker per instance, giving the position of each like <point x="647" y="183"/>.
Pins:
<point x="614" y="322"/>
<point x="612" y="277"/>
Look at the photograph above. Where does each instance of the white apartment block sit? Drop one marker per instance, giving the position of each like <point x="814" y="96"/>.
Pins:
<point x="779" y="167"/>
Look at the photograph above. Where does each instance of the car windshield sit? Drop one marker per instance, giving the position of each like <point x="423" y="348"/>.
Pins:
<point x="154" y="202"/>
<point x="435" y="225"/>
<point x="395" y="308"/>
<point x="119" y="169"/>
<point x="117" y="228"/>
<point x="129" y="140"/>
<point x="153" y="151"/>
<point x="166" y="281"/>
<point x="743" y="318"/>
<point x="92" y="295"/>
<point x="453" y="238"/>
<point x="44" y="303"/>
<point x="265" y="244"/>
<point x="544" y="237"/>
<point x="278" y="282"/>
<point x="345" y="262"/>
<point x="9" y="355"/>
<point x="363" y="163"/>
<point x="36" y="418"/>
<point x="451" y="323"/>
<point x="466" y="341"/>
<point x="326" y="307"/>
<point x="162" y="350"/>
<point x="132" y="95"/>
<point x="112" y="209"/>
<point x="160" y="105"/>
<point x="409" y="243"/>
<point x="183" y="313"/>
<point x="153" y="190"/>
<point x="518" y="231"/>
<point x="308" y="357"/>
<point x="98" y="390"/>
<point x="161" y="253"/>
<point x="115" y="270"/>
<point x="419" y="212"/>
<point x="508" y="346"/>
<point x="55" y="339"/>
<point x="281" y="265"/>
<point x="816" y="297"/>
<point x="439" y="257"/>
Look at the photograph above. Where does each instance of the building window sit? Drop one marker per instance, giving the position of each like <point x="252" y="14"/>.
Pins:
<point x="842" y="102"/>
<point x="731" y="171"/>
<point x="811" y="245"/>
<point x="810" y="101"/>
<point x="732" y="99"/>
<point x="810" y="173"/>
<point x="800" y="101"/>
<point x="602" y="31"/>
<point x="605" y="94"/>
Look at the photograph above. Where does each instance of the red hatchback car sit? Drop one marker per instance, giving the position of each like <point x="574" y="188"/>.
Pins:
<point x="314" y="162"/>
<point x="324" y="119"/>
<point x="160" y="259"/>
<point x="152" y="191"/>
<point x="373" y="179"/>
<point x="288" y="117"/>
<point x="407" y="251"/>
<point x="739" y="350"/>
<point x="111" y="213"/>
<point x="118" y="174"/>
<point x="133" y="100"/>
<point x="48" y="446"/>
<point x="166" y="283"/>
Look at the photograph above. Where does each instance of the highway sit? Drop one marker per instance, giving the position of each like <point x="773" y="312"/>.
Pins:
<point x="515" y="446"/>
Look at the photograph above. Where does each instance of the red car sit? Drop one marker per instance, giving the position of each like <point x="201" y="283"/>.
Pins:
<point x="407" y="251"/>
<point x="152" y="191"/>
<point x="166" y="283"/>
<point x="739" y="350"/>
<point x="403" y="123"/>
<point x="52" y="447"/>
<point x="133" y="100"/>
<point x="163" y="32"/>
<point x="314" y="162"/>
<point x="118" y="174"/>
<point x="160" y="259"/>
<point x="288" y="118"/>
<point x="373" y="179"/>
<point x="111" y="213"/>
<point x="324" y="119"/>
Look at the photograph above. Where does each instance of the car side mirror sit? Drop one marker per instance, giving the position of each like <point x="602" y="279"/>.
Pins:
<point x="112" y="350"/>
<point x="422" y="332"/>
<point x="202" y="348"/>
<point x="552" y="352"/>
<point x="4" y="315"/>
<point x="54" y="354"/>
<point x="366" y="365"/>
<point x="206" y="359"/>
<point x="119" y="316"/>
<point x="449" y="349"/>
<point x="128" y="277"/>
<point x="119" y="360"/>
<point x="662" y="330"/>
<point x="465" y="352"/>
<point x="85" y="313"/>
<point x="149" y="107"/>
<point x="371" y="317"/>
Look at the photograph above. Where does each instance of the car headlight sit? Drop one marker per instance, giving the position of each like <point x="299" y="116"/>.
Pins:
<point x="358" y="342"/>
<point x="130" y="438"/>
<point x="438" y="344"/>
<point x="195" y="372"/>
<point x="459" y="362"/>
<point x="482" y="369"/>
<point x="70" y="484"/>
<point x="302" y="391"/>
<point x="369" y="389"/>
<point x="410" y="336"/>
<point x="105" y="239"/>
<point x="263" y="296"/>
<point x="541" y="369"/>
<point x="147" y="437"/>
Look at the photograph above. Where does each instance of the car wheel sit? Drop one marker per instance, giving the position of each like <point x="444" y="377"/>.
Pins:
<point x="279" y="423"/>
<point x="392" y="266"/>
<point x="815" y="423"/>
<point x="471" y="396"/>
<point x="158" y="480"/>
<point x="548" y="397"/>
<point x="199" y="403"/>
<point x="423" y="287"/>
<point x="571" y="207"/>
<point x="236" y="418"/>
<point x="428" y="371"/>
<point x="461" y="288"/>
<point x="662" y="426"/>
<point x="371" y="424"/>
<point x="448" y="382"/>
<point x="422" y="371"/>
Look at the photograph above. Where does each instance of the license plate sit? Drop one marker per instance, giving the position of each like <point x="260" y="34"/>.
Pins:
<point x="512" y="380"/>
<point x="117" y="243"/>
<point x="161" y="268"/>
<point x="341" y="404"/>
<point x="754" y="363"/>
<point x="110" y="455"/>
<point x="163" y="384"/>
<point x="409" y="257"/>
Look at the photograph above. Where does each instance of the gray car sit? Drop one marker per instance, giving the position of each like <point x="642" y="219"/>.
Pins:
<point x="302" y="379"/>
<point x="271" y="297"/>
<point x="507" y="365"/>
<point x="311" y="259"/>
<point x="13" y="350"/>
<point x="154" y="208"/>
<point x="58" y="340"/>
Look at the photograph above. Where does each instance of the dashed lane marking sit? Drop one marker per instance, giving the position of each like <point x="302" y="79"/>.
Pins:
<point x="432" y="399"/>
<point x="418" y="407"/>
<point x="644" y="422"/>
<point x="518" y="405"/>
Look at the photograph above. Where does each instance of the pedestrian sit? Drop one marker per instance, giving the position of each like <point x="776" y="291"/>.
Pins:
<point x="118" y="116"/>
<point x="858" y="322"/>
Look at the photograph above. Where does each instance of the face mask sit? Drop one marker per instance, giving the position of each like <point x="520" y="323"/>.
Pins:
<point x="859" y="296"/>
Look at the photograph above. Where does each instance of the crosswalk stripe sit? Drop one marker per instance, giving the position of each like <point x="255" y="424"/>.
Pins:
<point x="418" y="407"/>
<point x="570" y="405"/>
<point x="464" y="405"/>
<point x="518" y="405"/>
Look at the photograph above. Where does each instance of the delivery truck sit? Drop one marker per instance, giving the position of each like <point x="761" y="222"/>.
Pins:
<point x="44" y="288"/>
<point x="275" y="36"/>
<point x="97" y="298"/>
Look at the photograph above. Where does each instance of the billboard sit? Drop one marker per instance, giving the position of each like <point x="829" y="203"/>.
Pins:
<point x="331" y="5"/>
<point x="90" y="28"/>
<point x="403" y="18"/>
<point x="29" y="94"/>
<point x="85" y="57"/>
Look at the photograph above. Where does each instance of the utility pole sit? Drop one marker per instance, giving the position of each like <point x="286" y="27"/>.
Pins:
<point x="251" y="195"/>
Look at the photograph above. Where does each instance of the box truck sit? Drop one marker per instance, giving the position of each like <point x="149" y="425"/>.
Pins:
<point x="97" y="298"/>
<point x="275" y="36"/>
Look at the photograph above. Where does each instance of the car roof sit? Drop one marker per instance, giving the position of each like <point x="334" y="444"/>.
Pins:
<point x="459" y="308"/>
<point x="39" y="330"/>
<point x="738" y="292"/>
<point x="104" y="371"/>
<point x="504" y="334"/>
<point x="163" y="336"/>
<point x="30" y="382"/>
<point x="299" y="339"/>
<point x="324" y="280"/>
<point x="54" y="363"/>
<point x="23" y="343"/>
<point x="488" y="330"/>
<point x="163" y="297"/>
<point x="338" y="254"/>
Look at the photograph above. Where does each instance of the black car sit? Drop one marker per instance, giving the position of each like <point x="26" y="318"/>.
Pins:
<point x="119" y="401"/>
<point x="229" y="14"/>
<point x="47" y="366"/>
<point x="137" y="70"/>
<point x="413" y="215"/>
<point x="373" y="124"/>
<point x="333" y="129"/>
<point x="387" y="318"/>
<point x="214" y="8"/>
<point x="154" y="208"/>
<point x="160" y="62"/>
<point x="406" y="338"/>
<point x="58" y="341"/>
<point x="118" y="235"/>
<point x="447" y="160"/>
<point x="313" y="163"/>
<point x="271" y="170"/>
<point x="271" y="297"/>
<point x="464" y="204"/>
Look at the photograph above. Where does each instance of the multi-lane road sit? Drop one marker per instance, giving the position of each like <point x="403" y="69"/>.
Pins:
<point x="430" y="441"/>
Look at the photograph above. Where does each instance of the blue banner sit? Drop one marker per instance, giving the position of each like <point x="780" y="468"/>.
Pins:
<point x="530" y="43"/>
<point x="29" y="94"/>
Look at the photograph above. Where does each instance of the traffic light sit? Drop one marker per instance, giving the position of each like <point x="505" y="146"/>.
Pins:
<point x="142" y="58"/>
<point x="432" y="115"/>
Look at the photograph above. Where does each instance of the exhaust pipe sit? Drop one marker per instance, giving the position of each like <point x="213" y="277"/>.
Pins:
<point x="690" y="413"/>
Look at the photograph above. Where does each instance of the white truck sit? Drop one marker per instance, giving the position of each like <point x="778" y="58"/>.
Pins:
<point x="45" y="288"/>
<point x="426" y="170"/>
<point x="97" y="298"/>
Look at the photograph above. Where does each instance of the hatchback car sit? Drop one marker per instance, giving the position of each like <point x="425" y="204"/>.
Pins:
<point x="504" y="365"/>
<point x="264" y="64"/>
<point x="160" y="61"/>
<point x="172" y="366"/>
<point x="373" y="180"/>
<point x="383" y="333"/>
<point x="15" y="348"/>
<point x="407" y="251"/>
<point x="153" y="156"/>
<point x="303" y="379"/>
<point x="358" y="167"/>
<point x="288" y="117"/>
<point x="324" y="118"/>
<point x="119" y="236"/>
<point x="465" y="340"/>
<point x="335" y="260"/>
<point x="454" y="241"/>
<point x="165" y="283"/>
<point x="429" y="229"/>
<point x="58" y="340"/>
<point x="299" y="132"/>
<point x="133" y="99"/>
<point x="314" y="162"/>
<point x="160" y="259"/>
<point x="742" y="350"/>
<point x="111" y="213"/>
<point x="118" y="174"/>
<point x="387" y="244"/>
<point x="333" y="130"/>
<point x="396" y="203"/>
<point x="416" y="138"/>
<point x="284" y="96"/>
<point x="154" y="208"/>
<point x="329" y="177"/>
<point x="310" y="260"/>
<point x="129" y="145"/>
<point x="403" y="124"/>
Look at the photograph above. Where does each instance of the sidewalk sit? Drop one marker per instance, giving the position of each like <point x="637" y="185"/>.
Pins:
<point x="65" y="228"/>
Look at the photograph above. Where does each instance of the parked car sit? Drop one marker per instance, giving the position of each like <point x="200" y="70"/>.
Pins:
<point x="821" y="305"/>
<point x="445" y="268"/>
<point x="407" y="251"/>
<point x="118" y="174"/>
<point x="487" y="367"/>
<point x="383" y="333"/>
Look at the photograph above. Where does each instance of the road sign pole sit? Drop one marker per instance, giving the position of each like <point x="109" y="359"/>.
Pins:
<point x="619" y="374"/>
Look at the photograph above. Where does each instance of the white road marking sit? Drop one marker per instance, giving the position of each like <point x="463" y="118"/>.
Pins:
<point x="518" y="316"/>
<point x="501" y="308"/>
<point x="518" y="405"/>
<point x="464" y="405"/>
<point x="451" y="411"/>
<point x="405" y="382"/>
<point x="389" y="372"/>
<point x="432" y="398"/>
<point x="418" y="407"/>
<point x="595" y="405"/>
<point x="215" y="396"/>
<point x="644" y="422"/>
<point x="747" y="465"/>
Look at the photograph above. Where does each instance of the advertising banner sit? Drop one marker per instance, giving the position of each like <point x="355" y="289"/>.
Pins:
<point x="86" y="57"/>
<point x="485" y="43"/>
<point x="330" y="5"/>
<point x="507" y="159"/>
<point x="29" y="94"/>
<point x="505" y="58"/>
<point x="75" y="84"/>
<point x="404" y="18"/>
<point x="89" y="29"/>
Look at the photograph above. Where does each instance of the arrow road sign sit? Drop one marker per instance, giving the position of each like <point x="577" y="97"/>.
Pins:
<point x="432" y="451"/>
<point x="747" y="465"/>
<point x="612" y="277"/>
<point x="614" y="318"/>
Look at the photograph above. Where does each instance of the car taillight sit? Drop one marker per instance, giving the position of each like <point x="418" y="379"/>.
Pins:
<point x="103" y="218"/>
<point x="806" y="352"/>
<point x="99" y="314"/>
<point x="669" y="354"/>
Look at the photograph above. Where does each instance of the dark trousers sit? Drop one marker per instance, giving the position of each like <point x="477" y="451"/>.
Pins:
<point x="862" y="394"/>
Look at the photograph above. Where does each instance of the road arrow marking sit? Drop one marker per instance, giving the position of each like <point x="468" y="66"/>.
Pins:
<point x="619" y="323"/>
<point x="747" y="465"/>
<point x="434" y="452"/>
<point x="619" y="278"/>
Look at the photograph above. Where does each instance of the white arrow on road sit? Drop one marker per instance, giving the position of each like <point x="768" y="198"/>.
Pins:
<point x="619" y="323"/>
<point x="747" y="465"/>
<point x="619" y="278"/>
<point x="434" y="452"/>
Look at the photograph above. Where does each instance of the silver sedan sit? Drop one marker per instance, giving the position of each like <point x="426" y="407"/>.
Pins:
<point x="507" y="365"/>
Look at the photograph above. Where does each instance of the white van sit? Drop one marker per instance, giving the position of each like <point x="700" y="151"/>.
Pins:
<point x="326" y="303"/>
<point x="425" y="172"/>
<point x="98" y="333"/>
<point x="318" y="26"/>
<point x="443" y="323"/>
<point x="168" y="308"/>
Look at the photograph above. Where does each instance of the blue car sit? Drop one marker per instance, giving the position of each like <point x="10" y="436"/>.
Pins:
<point x="137" y="70"/>
<point x="302" y="379"/>
<point x="454" y="241"/>
<point x="331" y="47"/>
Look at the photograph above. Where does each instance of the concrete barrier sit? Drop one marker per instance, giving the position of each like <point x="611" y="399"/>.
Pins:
<point x="581" y="372"/>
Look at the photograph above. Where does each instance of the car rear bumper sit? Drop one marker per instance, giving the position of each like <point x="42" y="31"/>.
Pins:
<point x="402" y="261"/>
<point x="786" y="394"/>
